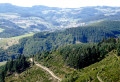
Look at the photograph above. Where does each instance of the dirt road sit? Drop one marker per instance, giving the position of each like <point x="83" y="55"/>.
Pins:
<point x="48" y="70"/>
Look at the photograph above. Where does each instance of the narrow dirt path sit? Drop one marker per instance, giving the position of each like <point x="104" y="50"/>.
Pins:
<point x="116" y="56"/>
<point x="48" y="70"/>
<point x="99" y="78"/>
<point x="98" y="72"/>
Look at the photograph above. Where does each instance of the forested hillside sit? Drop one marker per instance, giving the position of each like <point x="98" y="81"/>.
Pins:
<point x="107" y="70"/>
<point x="82" y="55"/>
<point x="52" y="40"/>
<point x="73" y="61"/>
<point x="87" y="34"/>
<point x="90" y="62"/>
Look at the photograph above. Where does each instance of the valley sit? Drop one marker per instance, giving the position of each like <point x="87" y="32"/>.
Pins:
<point x="51" y="44"/>
<point x="43" y="18"/>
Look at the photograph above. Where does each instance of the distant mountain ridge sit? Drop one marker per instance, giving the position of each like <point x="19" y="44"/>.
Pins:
<point x="42" y="18"/>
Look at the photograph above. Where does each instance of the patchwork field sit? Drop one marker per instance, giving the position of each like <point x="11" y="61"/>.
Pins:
<point x="7" y="42"/>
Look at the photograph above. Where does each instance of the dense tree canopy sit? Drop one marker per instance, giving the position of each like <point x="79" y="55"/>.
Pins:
<point x="51" y="40"/>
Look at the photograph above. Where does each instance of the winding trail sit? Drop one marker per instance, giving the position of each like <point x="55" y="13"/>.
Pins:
<point x="48" y="70"/>
<point x="116" y="56"/>
<point x="99" y="78"/>
<point x="98" y="72"/>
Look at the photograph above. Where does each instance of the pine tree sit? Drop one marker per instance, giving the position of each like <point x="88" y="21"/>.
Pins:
<point x="2" y="77"/>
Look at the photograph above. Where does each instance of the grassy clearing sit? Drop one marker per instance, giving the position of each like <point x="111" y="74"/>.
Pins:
<point x="33" y="74"/>
<point x="3" y="63"/>
<point x="7" y="42"/>
<point x="23" y="36"/>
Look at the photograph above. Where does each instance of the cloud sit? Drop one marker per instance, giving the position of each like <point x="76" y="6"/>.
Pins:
<point x="64" y="3"/>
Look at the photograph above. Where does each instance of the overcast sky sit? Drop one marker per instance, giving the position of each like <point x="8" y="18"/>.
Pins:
<point x="63" y="3"/>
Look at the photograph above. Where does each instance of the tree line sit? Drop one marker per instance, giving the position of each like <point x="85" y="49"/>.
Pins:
<point x="52" y="40"/>
<point x="17" y="65"/>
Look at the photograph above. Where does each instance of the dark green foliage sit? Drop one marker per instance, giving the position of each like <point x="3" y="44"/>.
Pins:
<point x="3" y="55"/>
<point x="43" y="55"/>
<point x="18" y="65"/>
<point x="47" y="41"/>
<point x="107" y="70"/>
<point x="2" y="76"/>
<point x="52" y="40"/>
<point x="71" y="77"/>
<point x="95" y="32"/>
<point x="41" y="42"/>
<point x="82" y="55"/>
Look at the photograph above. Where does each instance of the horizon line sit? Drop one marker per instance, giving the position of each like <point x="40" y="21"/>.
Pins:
<point x="60" y="7"/>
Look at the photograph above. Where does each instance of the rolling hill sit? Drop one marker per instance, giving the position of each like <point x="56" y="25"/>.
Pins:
<point x="47" y="41"/>
<point x="64" y="60"/>
<point x="64" y="44"/>
<point x="85" y="34"/>
<point x="10" y="29"/>
<point x="42" y="18"/>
